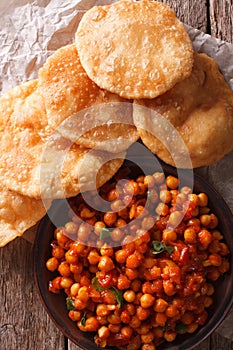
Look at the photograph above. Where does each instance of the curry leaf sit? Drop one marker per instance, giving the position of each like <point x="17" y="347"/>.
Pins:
<point x="119" y="296"/>
<point x="70" y="304"/>
<point x="105" y="233"/>
<point x="159" y="247"/>
<point x="181" y="328"/>
<point x="96" y="285"/>
<point x="83" y="320"/>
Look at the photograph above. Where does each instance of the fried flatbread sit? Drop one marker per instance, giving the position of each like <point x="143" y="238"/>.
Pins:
<point x="136" y="49"/>
<point x="17" y="214"/>
<point x="199" y="109"/>
<point x="36" y="162"/>
<point x="91" y="117"/>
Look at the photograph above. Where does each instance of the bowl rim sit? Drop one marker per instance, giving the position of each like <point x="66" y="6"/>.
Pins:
<point x="196" y="338"/>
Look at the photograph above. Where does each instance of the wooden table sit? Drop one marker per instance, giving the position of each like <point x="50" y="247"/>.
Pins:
<point x="24" y="324"/>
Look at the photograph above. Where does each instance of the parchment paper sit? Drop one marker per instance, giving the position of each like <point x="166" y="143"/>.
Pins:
<point x="30" y="31"/>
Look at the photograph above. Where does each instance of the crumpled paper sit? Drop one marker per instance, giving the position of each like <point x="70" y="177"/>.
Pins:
<point x="30" y="31"/>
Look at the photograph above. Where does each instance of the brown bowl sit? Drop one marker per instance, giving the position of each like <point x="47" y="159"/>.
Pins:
<point x="55" y="304"/>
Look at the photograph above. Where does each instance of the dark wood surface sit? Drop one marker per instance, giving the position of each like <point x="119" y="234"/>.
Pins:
<point x="24" y="324"/>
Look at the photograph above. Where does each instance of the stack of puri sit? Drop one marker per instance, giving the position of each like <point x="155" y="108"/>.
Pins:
<point x="130" y="73"/>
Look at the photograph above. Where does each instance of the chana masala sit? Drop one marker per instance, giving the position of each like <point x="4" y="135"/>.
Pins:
<point x="143" y="272"/>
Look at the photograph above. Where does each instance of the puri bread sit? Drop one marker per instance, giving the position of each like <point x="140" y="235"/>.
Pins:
<point x="200" y="109"/>
<point x="136" y="49"/>
<point x="91" y="117"/>
<point x="36" y="162"/>
<point x="17" y="214"/>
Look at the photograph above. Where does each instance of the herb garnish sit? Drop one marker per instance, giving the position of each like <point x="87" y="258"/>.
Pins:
<point x="181" y="328"/>
<point x="70" y="304"/>
<point x="159" y="247"/>
<point x="105" y="233"/>
<point x="119" y="296"/>
<point x="118" y="293"/>
<point x="83" y="320"/>
<point x="97" y="285"/>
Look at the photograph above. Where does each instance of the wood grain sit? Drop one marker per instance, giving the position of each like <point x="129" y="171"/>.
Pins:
<point x="221" y="19"/>
<point x="24" y="324"/>
<point x="191" y="12"/>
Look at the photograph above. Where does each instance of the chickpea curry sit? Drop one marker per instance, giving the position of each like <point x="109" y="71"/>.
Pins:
<point x="144" y="271"/>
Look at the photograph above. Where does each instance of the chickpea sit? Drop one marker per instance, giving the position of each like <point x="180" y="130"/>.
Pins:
<point x="121" y="256"/>
<point x="172" y="182"/>
<point x="123" y="282"/>
<point x="52" y="264"/>
<point x="147" y="338"/>
<point x="92" y="324"/>
<point x="147" y="300"/>
<point x="149" y="346"/>
<point x="125" y="316"/>
<point x="205" y="220"/>
<point x="120" y="223"/>
<point x="165" y="196"/>
<point x="187" y="318"/>
<point x="129" y="296"/>
<point x="126" y="332"/>
<point x="162" y="209"/>
<point x="159" y="178"/>
<point x="76" y="268"/>
<point x="142" y="313"/>
<point x="110" y="218"/>
<point x="93" y="257"/>
<point x="175" y="218"/>
<point x="202" y="199"/>
<point x="192" y="327"/>
<point x="117" y="234"/>
<point x="131" y="274"/>
<point x="136" y="285"/>
<point x="168" y="287"/>
<point x="204" y="237"/>
<point x="74" y="289"/>
<point x="158" y="332"/>
<point x="58" y="252"/>
<point x="66" y="282"/>
<point x="169" y="235"/>
<point x="71" y="228"/>
<point x="160" y="305"/>
<point x="190" y="235"/>
<point x="208" y="301"/>
<point x="75" y="315"/>
<point x="114" y="328"/>
<point x="172" y="311"/>
<point x="135" y="322"/>
<point x="112" y="195"/>
<point x="134" y="260"/>
<point x="147" y="223"/>
<point x="106" y="264"/>
<point x="149" y="180"/>
<point x="108" y="251"/>
<point x="169" y="336"/>
<point x="117" y="205"/>
<point x="99" y="225"/>
<point x="71" y="256"/>
<point x="114" y="319"/>
<point x="84" y="232"/>
<point x="64" y="269"/>
<point x="131" y="308"/>
<point x="160" y="319"/>
<point x="102" y="310"/>
<point x="103" y="332"/>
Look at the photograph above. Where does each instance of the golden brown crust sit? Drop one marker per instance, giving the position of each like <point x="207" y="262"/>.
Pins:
<point x="36" y="162"/>
<point x="136" y="49"/>
<point x="69" y="94"/>
<point x="200" y="109"/>
<point x="17" y="214"/>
